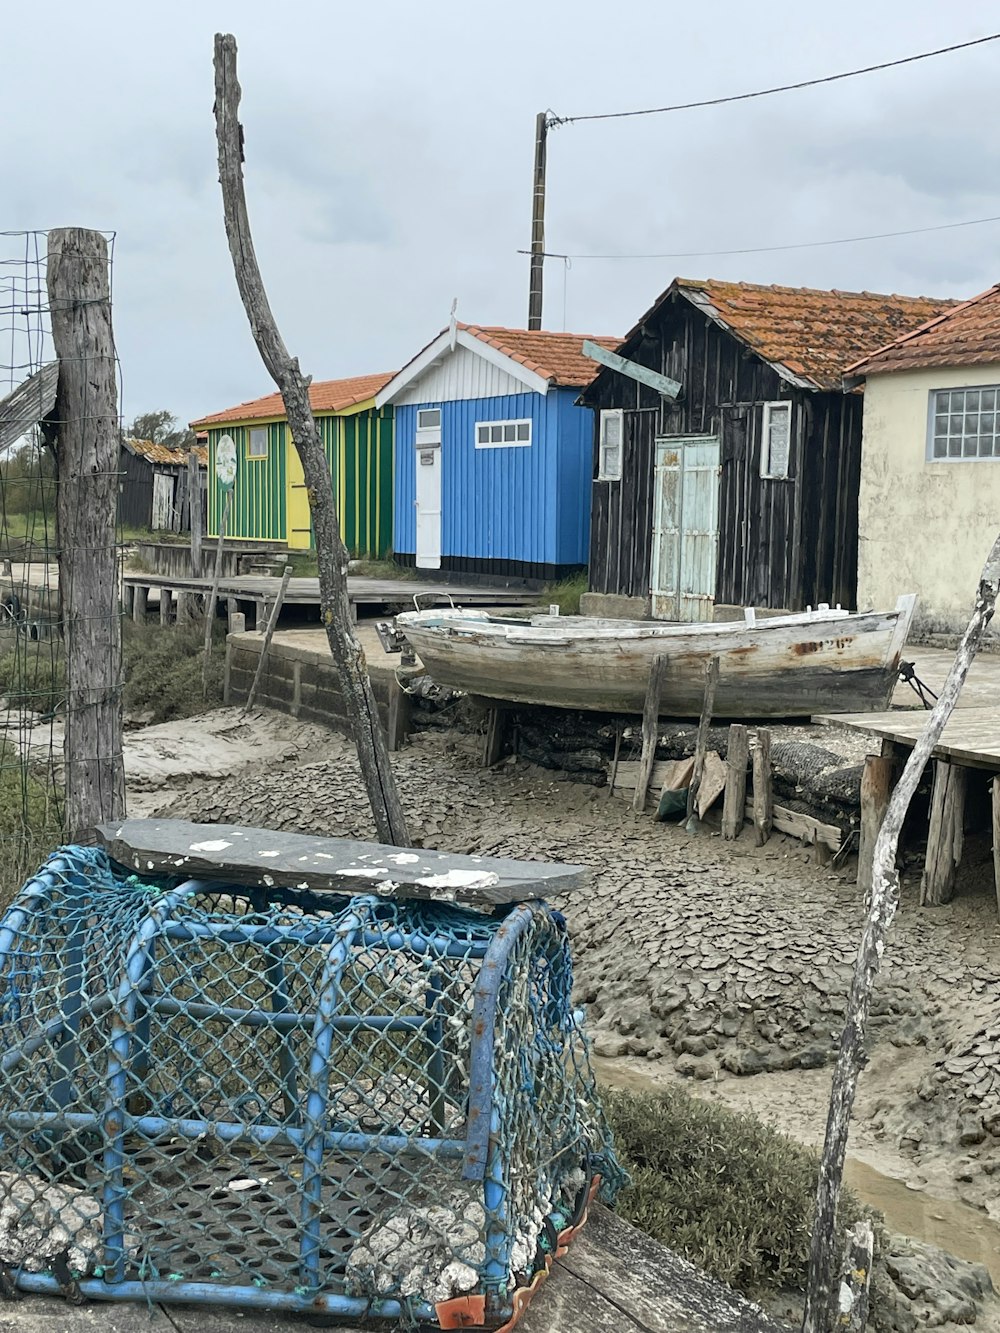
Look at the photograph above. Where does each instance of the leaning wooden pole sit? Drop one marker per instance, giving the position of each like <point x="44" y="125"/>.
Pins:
<point x="822" y="1283"/>
<point x="331" y="554"/>
<point x="88" y="440"/>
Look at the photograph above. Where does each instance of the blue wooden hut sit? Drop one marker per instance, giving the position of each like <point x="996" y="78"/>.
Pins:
<point x="493" y="454"/>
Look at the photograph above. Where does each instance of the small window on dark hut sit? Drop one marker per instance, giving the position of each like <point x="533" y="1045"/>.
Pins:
<point x="609" y="465"/>
<point x="777" y="440"/>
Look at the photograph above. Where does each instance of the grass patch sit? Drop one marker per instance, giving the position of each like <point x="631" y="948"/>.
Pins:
<point x="33" y="674"/>
<point x="163" y="670"/>
<point x="567" y="593"/>
<point x="381" y="569"/>
<point x="727" y="1191"/>
<point x="31" y="825"/>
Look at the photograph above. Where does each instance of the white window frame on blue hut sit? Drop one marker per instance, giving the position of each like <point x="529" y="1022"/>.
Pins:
<point x="512" y="434"/>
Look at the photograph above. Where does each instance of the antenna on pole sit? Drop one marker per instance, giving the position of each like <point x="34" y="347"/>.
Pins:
<point x="453" y="324"/>
<point x="537" y="224"/>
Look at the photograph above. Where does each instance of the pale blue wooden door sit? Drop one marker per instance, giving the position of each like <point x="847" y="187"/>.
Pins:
<point x="685" y="528"/>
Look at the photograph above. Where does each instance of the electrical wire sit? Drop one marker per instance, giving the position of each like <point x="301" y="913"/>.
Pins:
<point x="769" y="249"/>
<point x="555" y="121"/>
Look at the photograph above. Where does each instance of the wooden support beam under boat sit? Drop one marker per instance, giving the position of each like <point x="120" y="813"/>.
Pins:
<point x="701" y="744"/>
<point x="650" y="718"/>
<point x="946" y="835"/>
<point x="763" y="799"/>
<point x="876" y="788"/>
<point x="735" y="798"/>
<point x="493" y="740"/>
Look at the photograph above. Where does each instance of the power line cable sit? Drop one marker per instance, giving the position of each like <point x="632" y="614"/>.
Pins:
<point x="768" y="249"/>
<point x="781" y="88"/>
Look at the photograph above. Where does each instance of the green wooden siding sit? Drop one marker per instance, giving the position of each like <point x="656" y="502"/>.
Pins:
<point x="359" y="450"/>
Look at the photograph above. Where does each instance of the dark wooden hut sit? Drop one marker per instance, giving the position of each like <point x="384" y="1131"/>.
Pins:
<point x="153" y="485"/>
<point x="727" y="455"/>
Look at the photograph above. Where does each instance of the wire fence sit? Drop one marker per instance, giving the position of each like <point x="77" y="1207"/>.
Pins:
<point x="33" y="639"/>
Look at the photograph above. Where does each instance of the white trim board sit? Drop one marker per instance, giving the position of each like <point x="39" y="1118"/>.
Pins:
<point x="444" y="346"/>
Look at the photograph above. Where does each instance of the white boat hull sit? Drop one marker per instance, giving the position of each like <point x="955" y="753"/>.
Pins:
<point x="824" y="661"/>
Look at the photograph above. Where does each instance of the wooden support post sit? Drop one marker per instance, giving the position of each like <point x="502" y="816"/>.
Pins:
<point x="185" y="606"/>
<point x="996" y="839"/>
<point x="650" y="726"/>
<point x="139" y="604"/>
<point x="735" y="798"/>
<point x="763" y="795"/>
<point x="331" y="555"/>
<point x="128" y="598"/>
<point x="194" y="511"/>
<point x="822" y="1283"/>
<point x="87" y="443"/>
<point x="214" y="593"/>
<point x="855" y="1278"/>
<point x="701" y="744"/>
<point x="166" y="604"/>
<point x="946" y="834"/>
<point x="876" y="785"/>
<point x="399" y="715"/>
<point x="232" y="609"/>
<point x="268" y="636"/>
<point x="493" y="740"/>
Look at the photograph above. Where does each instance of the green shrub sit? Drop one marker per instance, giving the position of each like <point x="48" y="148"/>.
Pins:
<point x="730" y="1193"/>
<point x="30" y="825"/>
<point x="163" y="670"/>
<point x="33" y="674"/>
<point x="567" y="593"/>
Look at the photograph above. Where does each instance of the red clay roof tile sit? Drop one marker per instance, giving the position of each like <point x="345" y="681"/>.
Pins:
<point x="966" y="335"/>
<point x="324" y="396"/>
<point x="556" y="357"/>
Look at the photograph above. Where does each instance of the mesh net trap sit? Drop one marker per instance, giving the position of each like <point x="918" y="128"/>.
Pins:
<point x="295" y="1100"/>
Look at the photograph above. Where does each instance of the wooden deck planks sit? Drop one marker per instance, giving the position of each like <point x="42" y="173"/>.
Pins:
<point x="971" y="737"/>
<point x="361" y="591"/>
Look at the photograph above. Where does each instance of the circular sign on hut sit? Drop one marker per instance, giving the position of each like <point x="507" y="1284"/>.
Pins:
<point x="225" y="461"/>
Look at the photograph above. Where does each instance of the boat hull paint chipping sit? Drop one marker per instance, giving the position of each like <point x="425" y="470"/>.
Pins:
<point x="784" y="666"/>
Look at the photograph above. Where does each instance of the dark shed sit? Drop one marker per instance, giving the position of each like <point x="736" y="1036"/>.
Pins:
<point x="743" y="488"/>
<point x="153" y="485"/>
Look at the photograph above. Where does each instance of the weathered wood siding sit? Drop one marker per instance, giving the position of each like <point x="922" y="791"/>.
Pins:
<point x="782" y="543"/>
<point x="135" y="490"/>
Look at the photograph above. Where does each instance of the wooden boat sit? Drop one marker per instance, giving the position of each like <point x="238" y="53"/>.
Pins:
<point x="823" y="660"/>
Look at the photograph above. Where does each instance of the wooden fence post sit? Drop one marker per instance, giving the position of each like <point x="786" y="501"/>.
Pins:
<point x="268" y="636"/>
<point x="735" y="799"/>
<point x="214" y="594"/>
<point x="763" y="796"/>
<point x="821" y="1284"/>
<point x="650" y="730"/>
<point x="331" y="554"/>
<point x="194" y="512"/>
<point x="87" y="447"/>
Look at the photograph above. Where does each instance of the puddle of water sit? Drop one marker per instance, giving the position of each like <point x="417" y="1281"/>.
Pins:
<point x="956" y="1227"/>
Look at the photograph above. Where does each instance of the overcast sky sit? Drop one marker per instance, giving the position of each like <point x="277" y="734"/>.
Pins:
<point x="389" y="156"/>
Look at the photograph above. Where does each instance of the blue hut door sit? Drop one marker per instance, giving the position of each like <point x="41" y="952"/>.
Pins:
<point x="685" y="528"/>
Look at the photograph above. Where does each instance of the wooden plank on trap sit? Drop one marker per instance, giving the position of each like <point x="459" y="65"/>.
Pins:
<point x="232" y="853"/>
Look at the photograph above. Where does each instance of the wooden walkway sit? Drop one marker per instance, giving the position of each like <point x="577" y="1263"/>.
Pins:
<point x="970" y="740"/>
<point x="256" y="592"/>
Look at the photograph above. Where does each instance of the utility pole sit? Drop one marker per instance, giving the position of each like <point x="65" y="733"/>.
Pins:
<point x="538" y="224"/>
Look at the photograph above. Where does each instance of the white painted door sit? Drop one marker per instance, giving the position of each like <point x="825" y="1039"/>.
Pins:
<point x="163" y="501"/>
<point x="428" y="503"/>
<point x="685" y="528"/>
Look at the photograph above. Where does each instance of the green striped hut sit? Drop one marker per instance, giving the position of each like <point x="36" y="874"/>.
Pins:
<point x="270" y="501"/>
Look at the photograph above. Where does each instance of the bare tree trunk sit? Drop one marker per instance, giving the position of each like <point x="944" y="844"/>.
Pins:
<point x="87" y="451"/>
<point x="821" y="1286"/>
<point x="331" y="554"/>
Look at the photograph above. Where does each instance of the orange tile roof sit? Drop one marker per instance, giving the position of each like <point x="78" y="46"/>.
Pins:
<point x="966" y="335"/>
<point x="806" y="334"/>
<point x="324" y="396"/>
<point x="556" y="357"/>
<point x="162" y="453"/>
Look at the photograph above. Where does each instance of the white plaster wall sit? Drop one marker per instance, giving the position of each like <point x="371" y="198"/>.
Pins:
<point x="923" y="527"/>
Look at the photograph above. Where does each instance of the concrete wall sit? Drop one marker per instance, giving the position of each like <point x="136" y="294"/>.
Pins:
<point x="295" y="681"/>
<point x="924" y="527"/>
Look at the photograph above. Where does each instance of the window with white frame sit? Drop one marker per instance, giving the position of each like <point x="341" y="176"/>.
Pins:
<point x="502" y="434"/>
<point x="964" y="423"/>
<point x="777" y="438"/>
<point x="257" y="442"/>
<point x="429" y="418"/>
<point x="609" y="462"/>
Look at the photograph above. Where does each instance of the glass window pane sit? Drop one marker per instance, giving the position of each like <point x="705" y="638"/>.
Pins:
<point x="482" y="434"/>
<point x="987" y="400"/>
<point x="524" y="430"/>
<point x="508" y="432"/>
<point x="986" y="421"/>
<point x="496" y="434"/>
<point x="954" y="446"/>
<point x="940" y="448"/>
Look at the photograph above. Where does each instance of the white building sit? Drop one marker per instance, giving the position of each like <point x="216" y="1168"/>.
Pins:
<point x="929" y="503"/>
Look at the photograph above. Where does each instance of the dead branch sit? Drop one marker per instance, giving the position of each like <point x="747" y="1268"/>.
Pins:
<point x="331" y="554"/>
<point x="821" y="1285"/>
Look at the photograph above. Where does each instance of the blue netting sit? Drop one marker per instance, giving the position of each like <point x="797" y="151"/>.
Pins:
<point x="275" y="1097"/>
